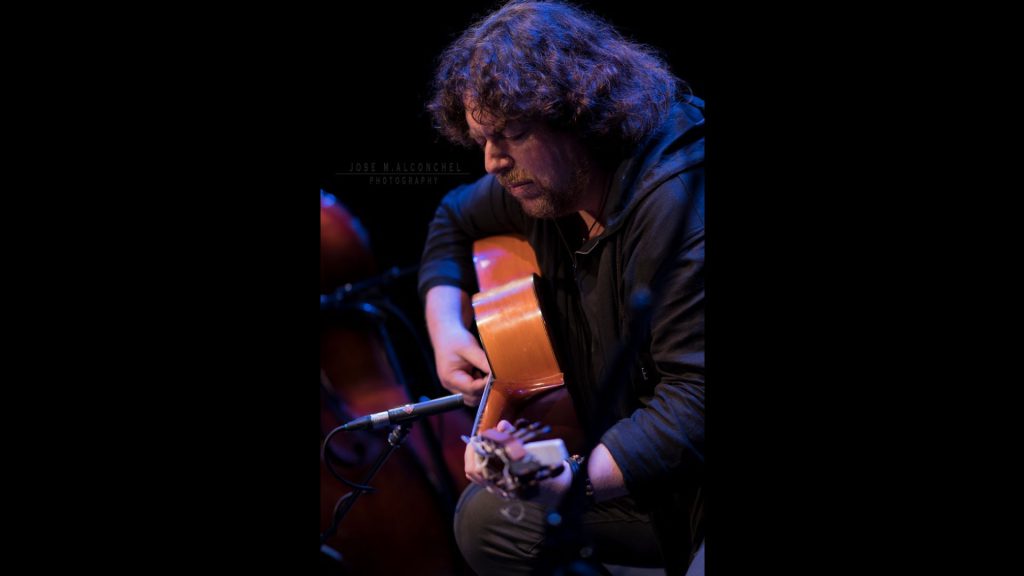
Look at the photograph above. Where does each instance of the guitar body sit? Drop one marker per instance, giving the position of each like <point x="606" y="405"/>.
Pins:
<point x="527" y="380"/>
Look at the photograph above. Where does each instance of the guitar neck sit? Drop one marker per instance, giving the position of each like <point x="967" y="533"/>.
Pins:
<point x="483" y="402"/>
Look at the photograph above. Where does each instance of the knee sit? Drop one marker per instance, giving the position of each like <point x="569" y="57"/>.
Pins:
<point x="468" y="513"/>
<point x="476" y="516"/>
<point x="494" y="535"/>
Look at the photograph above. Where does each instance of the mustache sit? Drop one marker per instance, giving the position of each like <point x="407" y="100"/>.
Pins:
<point x="513" y="177"/>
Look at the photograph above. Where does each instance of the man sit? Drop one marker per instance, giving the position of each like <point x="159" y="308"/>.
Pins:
<point x="594" y="153"/>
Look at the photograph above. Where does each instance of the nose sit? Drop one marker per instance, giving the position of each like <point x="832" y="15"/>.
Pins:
<point x="496" y="158"/>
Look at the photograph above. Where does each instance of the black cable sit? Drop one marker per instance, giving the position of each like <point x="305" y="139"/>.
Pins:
<point x="330" y="468"/>
<point x="335" y="520"/>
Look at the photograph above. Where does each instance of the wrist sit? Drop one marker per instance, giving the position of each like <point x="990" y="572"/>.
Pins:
<point x="580" y="477"/>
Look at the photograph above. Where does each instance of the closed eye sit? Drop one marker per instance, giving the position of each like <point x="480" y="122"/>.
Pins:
<point x="516" y="131"/>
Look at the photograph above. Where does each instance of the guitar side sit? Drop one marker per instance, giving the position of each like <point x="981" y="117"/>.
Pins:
<point x="527" y="380"/>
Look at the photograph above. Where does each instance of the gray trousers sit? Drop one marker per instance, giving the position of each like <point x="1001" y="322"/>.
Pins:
<point x="500" y="537"/>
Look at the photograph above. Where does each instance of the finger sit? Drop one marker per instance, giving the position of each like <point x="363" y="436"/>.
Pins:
<point x="471" y="467"/>
<point x="505" y="426"/>
<point x="475" y="356"/>
<point x="460" y="381"/>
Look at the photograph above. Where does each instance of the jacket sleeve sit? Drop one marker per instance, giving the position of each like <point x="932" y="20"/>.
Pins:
<point x="663" y="441"/>
<point x="465" y="214"/>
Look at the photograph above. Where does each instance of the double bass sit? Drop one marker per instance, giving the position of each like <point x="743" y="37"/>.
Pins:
<point x="404" y="527"/>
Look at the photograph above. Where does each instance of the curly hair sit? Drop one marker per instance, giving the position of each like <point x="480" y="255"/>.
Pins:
<point x="552" y="62"/>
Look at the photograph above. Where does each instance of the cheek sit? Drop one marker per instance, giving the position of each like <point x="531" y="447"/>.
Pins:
<point x="557" y="171"/>
<point x="539" y="167"/>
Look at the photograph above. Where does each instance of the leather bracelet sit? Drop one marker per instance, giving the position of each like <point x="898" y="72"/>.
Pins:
<point x="576" y="467"/>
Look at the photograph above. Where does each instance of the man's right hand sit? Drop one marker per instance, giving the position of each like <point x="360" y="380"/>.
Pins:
<point x="461" y="363"/>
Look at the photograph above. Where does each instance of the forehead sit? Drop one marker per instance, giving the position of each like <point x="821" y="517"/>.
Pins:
<point x="481" y="122"/>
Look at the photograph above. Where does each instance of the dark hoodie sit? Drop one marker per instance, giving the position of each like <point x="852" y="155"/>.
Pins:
<point x="649" y="412"/>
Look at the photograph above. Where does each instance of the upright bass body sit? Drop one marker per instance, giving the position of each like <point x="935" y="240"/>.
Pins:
<point x="358" y="377"/>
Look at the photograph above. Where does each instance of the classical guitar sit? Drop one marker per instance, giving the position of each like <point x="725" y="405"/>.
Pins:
<point x="526" y="385"/>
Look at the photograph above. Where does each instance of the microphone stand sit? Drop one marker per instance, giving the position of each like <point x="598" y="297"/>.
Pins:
<point x="395" y="438"/>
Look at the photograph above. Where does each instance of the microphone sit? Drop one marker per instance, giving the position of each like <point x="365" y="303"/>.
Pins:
<point x="405" y="413"/>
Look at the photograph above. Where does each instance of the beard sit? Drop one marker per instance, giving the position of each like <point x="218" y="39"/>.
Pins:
<point x="551" y="201"/>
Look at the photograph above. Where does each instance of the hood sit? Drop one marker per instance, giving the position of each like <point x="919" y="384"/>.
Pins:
<point x="677" y="146"/>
